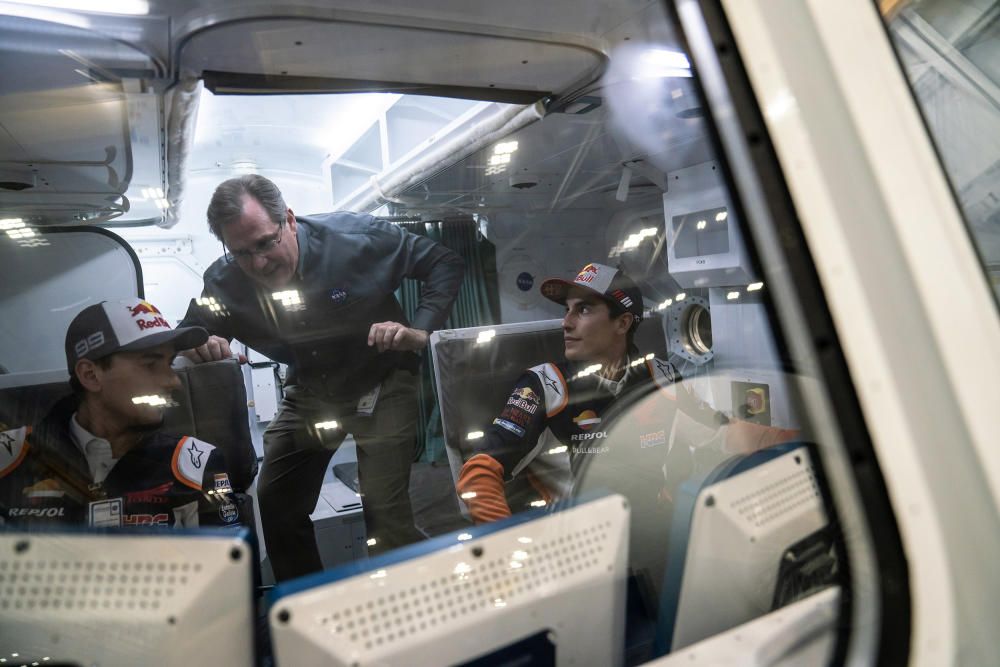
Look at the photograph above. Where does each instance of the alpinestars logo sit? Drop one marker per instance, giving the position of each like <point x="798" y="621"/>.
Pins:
<point x="551" y="383"/>
<point x="665" y="368"/>
<point x="7" y="441"/>
<point x="196" y="455"/>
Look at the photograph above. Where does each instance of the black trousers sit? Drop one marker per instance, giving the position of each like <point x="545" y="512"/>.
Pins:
<point x="296" y="455"/>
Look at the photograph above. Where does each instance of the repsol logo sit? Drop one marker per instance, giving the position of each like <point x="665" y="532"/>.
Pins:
<point x="155" y="323"/>
<point x="596" y="435"/>
<point x="47" y="512"/>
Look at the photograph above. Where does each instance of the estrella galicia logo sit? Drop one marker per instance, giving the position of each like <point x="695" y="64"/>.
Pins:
<point x="525" y="281"/>
<point x="229" y="513"/>
<point x="338" y="295"/>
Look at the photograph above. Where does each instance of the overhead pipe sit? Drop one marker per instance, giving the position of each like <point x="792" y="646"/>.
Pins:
<point x="386" y="187"/>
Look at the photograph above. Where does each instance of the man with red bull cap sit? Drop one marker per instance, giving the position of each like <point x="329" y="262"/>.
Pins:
<point x="556" y="409"/>
<point x="98" y="458"/>
<point x="572" y="408"/>
<point x="612" y="411"/>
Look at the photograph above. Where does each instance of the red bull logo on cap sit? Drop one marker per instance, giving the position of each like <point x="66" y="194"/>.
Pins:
<point x="140" y="313"/>
<point x="143" y="307"/>
<point x="587" y="274"/>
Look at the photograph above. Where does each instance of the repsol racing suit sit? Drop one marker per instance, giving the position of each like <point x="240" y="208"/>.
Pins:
<point x="162" y="481"/>
<point x="557" y="420"/>
<point x="564" y="431"/>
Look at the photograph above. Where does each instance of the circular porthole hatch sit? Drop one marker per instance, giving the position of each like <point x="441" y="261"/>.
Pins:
<point x="696" y="329"/>
<point x="689" y="329"/>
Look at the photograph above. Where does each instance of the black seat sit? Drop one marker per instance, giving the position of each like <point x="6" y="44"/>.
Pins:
<point x="212" y="406"/>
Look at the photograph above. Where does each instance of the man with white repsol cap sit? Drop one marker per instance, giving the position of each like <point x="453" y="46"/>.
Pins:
<point x="98" y="458"/>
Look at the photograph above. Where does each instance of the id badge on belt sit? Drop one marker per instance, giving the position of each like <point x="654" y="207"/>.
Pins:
<point x="366" y="404"/>
<point x="105" y="513"/>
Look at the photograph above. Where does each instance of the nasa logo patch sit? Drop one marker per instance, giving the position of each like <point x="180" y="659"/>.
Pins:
<point x="338" y="295"/>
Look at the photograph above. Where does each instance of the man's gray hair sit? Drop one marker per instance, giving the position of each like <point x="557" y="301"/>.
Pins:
<point x="227" y="201"/>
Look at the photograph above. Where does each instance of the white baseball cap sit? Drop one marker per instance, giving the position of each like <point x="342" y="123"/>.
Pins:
<point x="124" y="326"/>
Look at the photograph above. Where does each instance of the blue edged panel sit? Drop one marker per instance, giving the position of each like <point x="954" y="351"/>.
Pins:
<point x="680" y="532"/>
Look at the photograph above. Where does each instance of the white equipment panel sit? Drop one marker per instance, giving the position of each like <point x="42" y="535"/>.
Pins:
<point x="563" y="574"/>
<point x="803" y="633"/>
<point x="741" y="528"/>
<point x="124" y="600"/>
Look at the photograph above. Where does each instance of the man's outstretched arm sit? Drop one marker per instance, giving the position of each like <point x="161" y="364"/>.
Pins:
<point x="440" y="270"/>
<point x="217" y="347"/>
<point x="510" y="438"/>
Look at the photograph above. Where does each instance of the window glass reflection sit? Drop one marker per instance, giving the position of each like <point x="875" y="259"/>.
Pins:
<point x="362" y="341"/>
<point x="949" y="51"/>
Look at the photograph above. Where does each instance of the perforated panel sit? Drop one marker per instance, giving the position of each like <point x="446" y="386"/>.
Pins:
<point x="784" y="495"/>
<point x="489" y="584"/>
<point x="123" y="600"/>
<point x="137" y="586"/>
<point x="739" y="532"/>
<point x="558" y="573"/>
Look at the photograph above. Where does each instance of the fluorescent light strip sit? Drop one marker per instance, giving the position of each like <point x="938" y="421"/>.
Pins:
<point x="129" y="7"/>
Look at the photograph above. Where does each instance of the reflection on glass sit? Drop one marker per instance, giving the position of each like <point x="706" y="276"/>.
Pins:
<point x="288" y="298"/>
<point x="154" y="401"/>
<point x="950" y="51"/>
<point x="695" y="387"/>
<point x="694" y="236"/>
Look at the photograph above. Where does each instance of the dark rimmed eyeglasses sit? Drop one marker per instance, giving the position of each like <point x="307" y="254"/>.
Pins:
<point x="262" y="247"/>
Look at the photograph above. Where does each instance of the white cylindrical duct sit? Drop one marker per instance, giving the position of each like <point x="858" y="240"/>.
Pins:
<point x="390" y="184"/>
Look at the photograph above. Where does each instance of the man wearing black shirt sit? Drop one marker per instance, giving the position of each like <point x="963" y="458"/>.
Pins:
<point x="317" y="293"/>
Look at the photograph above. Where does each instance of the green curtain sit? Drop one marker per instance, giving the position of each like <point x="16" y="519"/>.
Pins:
<point x="478" y="304"/>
